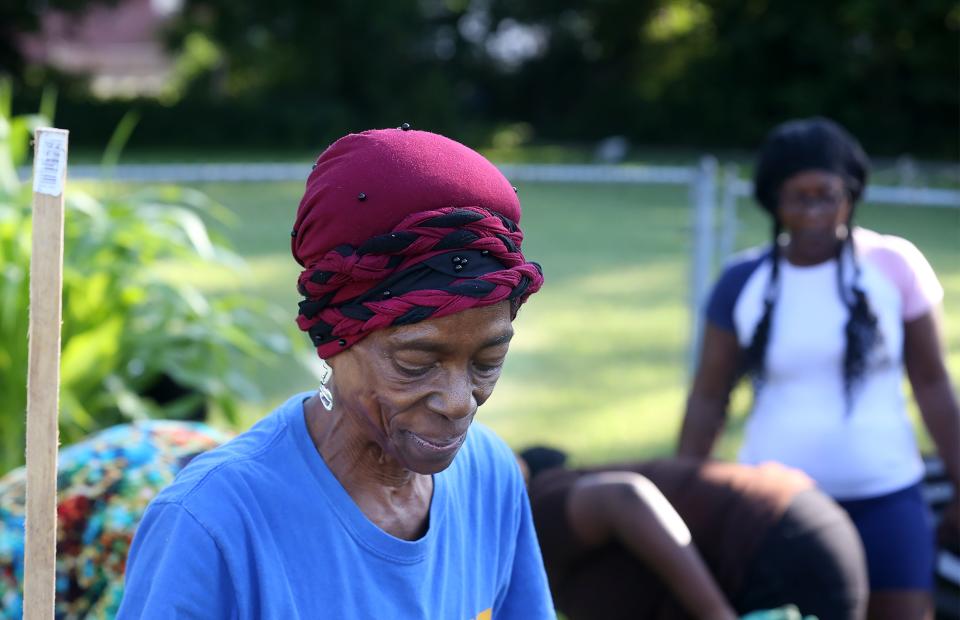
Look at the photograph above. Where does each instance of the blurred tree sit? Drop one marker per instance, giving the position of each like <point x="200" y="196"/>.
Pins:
<point x="722" y="72"/>
<point x="349" y="63"/>
<point x="702" y="73"/>
<point x="597" y="70"/>
<point x="889" y="71"/>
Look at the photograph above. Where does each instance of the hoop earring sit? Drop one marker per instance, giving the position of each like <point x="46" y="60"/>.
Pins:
<point x="326" y="396"/>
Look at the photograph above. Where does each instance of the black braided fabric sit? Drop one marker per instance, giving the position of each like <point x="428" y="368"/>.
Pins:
<point x="434" y="263"/>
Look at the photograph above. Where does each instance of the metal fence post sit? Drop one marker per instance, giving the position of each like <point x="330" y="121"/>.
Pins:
<point x="703" y="194"/>
<point x="728" y="210"/>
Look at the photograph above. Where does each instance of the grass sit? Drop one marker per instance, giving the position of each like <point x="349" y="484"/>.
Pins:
<point x="598" y="366"/>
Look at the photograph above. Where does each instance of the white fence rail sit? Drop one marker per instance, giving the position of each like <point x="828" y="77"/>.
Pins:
<point x="735" y="188"/>
<point x="271" y="171"/>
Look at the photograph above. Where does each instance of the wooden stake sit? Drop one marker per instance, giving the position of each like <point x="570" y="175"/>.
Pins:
<point x="43" y="374"/>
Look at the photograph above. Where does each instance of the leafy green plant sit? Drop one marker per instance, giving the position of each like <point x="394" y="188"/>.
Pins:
<point x="126" y="330"/>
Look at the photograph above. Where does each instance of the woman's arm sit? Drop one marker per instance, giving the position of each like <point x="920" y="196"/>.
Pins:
<point x="627" y="507"/>
<point x="176" y="570"/>
<point x="707" y="404"/>
<point x="923" y="356"/>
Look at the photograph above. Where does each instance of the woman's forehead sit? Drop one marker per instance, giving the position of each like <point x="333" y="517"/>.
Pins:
<point x="483" y="326"/>
<point x="812" y="178"/>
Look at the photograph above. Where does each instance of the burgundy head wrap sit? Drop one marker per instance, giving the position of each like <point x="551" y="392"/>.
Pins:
<point x="399" y="226"/>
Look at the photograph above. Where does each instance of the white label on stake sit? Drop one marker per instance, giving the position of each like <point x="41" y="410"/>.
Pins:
<point x="48" y="169"/>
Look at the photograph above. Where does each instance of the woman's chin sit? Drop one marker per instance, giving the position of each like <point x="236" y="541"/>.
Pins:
<point x="811" y="249"/>
<point x="427" y="455"/>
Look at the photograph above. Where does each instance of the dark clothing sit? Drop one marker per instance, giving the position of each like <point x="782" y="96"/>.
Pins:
<point x="811" y="558"/>
<point x="892" y="528"/>
<point x="739" y="516"/>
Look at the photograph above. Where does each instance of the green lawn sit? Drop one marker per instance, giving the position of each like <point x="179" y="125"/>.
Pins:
<point x="598" y="365"/>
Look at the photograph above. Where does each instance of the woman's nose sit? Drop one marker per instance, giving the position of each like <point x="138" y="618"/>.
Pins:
<point x="454" y="398"/>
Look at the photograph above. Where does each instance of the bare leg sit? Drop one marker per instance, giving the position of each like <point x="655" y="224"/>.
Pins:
<point x="900" y="605"/>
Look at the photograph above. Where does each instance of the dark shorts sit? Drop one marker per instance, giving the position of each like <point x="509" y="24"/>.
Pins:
<point x="898" y="537"/>
<point x="811" y="558"/>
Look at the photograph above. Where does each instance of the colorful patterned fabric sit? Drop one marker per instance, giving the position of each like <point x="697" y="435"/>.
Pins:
<point x="104" y="484"/>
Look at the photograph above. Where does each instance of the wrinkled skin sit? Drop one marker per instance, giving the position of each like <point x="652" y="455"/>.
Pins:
<point x="404" y="398"/>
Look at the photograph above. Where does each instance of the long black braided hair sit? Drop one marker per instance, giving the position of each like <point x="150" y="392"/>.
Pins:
<point x="815" y="144"/>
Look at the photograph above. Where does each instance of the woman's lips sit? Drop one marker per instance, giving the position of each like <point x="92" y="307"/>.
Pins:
<point x="438" y="445"/>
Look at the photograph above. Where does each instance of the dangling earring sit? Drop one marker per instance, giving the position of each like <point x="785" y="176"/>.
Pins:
<point x="326" y="396"/>
<point x="842" y="232"/>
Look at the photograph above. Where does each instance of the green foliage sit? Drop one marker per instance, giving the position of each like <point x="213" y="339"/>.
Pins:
<point x="340" y="61"/>
<point x="126" y="330"/>
<point x="722" y="72"/>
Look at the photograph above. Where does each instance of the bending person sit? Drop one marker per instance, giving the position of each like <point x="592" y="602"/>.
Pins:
<point x="823" y="321"/>
<point x="688" y="539"/>
<point x="104" y="484"/>
<point x="374" y="496"/>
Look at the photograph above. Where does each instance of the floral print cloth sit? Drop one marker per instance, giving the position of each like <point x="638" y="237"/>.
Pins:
<point x="104" y="484"/>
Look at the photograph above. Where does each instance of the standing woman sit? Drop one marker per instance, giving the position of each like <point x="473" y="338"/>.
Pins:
<point x="823" y="321"/>
<point x="372" y="496"/>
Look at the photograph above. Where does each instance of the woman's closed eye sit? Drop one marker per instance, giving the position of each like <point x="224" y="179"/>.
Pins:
<point x="488" y="367"/>
<point x="412" y="368"/>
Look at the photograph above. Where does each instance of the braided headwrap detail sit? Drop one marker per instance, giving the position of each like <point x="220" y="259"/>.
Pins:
<point x="433" y="263"/>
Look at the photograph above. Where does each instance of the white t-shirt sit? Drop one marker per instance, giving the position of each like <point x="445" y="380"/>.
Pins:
<point x="800" y="417"/>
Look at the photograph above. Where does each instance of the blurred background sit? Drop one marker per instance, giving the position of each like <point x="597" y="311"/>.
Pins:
<point x="193" y="124"/>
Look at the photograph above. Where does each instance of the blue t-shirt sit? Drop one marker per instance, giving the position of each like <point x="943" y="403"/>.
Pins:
<point x="260" y="528"/>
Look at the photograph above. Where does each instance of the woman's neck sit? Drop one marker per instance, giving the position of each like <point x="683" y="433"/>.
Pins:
<point x="808" y="256"/>
<point x="390" y="495"/>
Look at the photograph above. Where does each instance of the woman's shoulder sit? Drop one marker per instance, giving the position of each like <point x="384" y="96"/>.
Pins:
<point x="873" y="245"/>
<point x="903" y="265"/>
<point x="245" y="457"/>
<point x="739" y="269"/>
<point x="740" y="266"/>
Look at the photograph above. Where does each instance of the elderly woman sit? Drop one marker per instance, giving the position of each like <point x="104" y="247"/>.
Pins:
<point x="824" y="321"/>
<point x="374" y="496"/>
